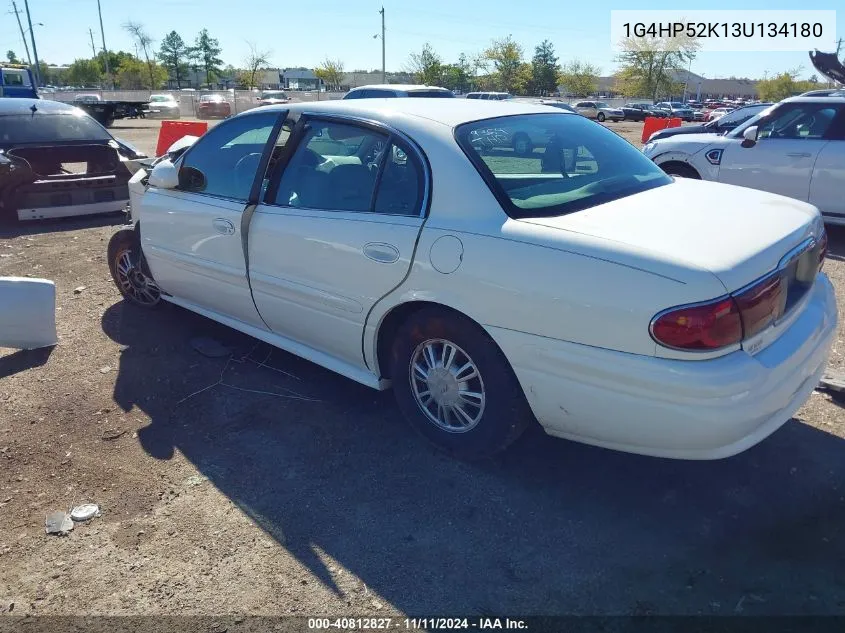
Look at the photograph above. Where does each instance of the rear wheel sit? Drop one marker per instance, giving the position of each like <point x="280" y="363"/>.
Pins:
<point x="455" y="386"/>
<point x="130" y="273"/>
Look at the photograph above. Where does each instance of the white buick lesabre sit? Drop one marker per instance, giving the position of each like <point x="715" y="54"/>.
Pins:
<point x="404" y="242"/>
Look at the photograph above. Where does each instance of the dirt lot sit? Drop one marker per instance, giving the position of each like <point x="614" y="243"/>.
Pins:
<point x="320" y="500"/>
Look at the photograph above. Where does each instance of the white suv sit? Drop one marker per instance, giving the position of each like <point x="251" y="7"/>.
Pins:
<point x="795" y="148"/>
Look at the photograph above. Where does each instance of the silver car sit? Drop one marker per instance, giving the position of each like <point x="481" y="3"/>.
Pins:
<point x="599" y="110"/>
<point x="163" y="106"/>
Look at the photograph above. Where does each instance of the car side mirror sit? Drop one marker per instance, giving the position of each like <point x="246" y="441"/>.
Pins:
<point x="164" y="176"/>
<point x="750" y="136"/>
<point x="191" y="179"/>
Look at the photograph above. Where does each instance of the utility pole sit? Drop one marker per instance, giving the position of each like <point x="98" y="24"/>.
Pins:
<point x="105" y="50"/>
<point x="93" y="48"/>
<point x="23" y="35"/>
<point x="383" y="73"/>
<point x="34" y="49"/>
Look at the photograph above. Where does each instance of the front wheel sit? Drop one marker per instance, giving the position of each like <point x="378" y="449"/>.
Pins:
<point x="455" y="386"/>
<point x="129" y="272"/>
<point x="680" y="170"/>
<point x="600" y="117"/>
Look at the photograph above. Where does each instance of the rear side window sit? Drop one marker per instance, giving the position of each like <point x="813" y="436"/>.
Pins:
<point x="400" y="188"/>
<point x="381" y="94"/>
<point x="14" y="77"/>
<point x="568" y="164"/>
<point x="473" y="95"/>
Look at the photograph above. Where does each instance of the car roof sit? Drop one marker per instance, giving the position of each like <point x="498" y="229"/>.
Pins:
<point x="23" y="106"/>
<point x="449" y="112"/>
<point x="819" y="99"/>
<point x="405" y="87"/>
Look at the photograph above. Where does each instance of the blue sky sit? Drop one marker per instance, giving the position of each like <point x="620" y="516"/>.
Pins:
<point x="304" y="33"/>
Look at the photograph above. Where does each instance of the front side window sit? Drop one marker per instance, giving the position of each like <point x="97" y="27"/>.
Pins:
<point x="799" y="121"/>
<point x="225" y="160"/>
<point x="573" y="163"/>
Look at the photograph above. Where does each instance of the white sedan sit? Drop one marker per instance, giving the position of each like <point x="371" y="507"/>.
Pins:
<point x="795" y="148"/>
<point x="578" y="286"/>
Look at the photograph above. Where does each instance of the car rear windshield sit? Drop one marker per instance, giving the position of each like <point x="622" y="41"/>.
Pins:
<point x="430" y="93"/>
<point x="47" y="128"/>
<point x="541" y="165"/>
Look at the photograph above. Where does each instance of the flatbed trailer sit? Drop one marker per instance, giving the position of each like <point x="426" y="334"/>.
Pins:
<point x="105" y="112"/>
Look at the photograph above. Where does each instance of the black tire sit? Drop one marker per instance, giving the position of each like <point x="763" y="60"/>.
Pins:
<point x="521" y="144"/>
<point x="136" y="284"/>
<point x="680" y="170"/>
<point x="505" y="413"/>
<point x="600" y="117"/>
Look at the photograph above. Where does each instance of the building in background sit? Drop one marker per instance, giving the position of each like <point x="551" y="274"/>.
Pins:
<point x="301" y="79"/>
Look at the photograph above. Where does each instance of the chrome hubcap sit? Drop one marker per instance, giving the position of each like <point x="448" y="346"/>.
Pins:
<point x="134" y="283"/>
<point x="447" y="385"/>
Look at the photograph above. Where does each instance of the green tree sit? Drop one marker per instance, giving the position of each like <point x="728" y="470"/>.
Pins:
<point x="12" y="57"/>
<point x="331" y="72"/>
<point x="578" y="79"/>
<point x="206" y="53"/>
<point x="134" y="74"/>
<point x="649" y="65"/>
<point x="115" y="60"/>
<point x="426" y="66"/>
<point x="544" y="68"/>
<point x="506" y="56"/>
<point x="523" y="81"/>
<point x="783" y="85"/>
<point x="173" y="55"/>
<point x="84" y="72"/>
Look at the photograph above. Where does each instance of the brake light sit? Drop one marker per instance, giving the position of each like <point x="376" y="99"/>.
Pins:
<point x="761" y="305"/>
<point x="702" y="327"/>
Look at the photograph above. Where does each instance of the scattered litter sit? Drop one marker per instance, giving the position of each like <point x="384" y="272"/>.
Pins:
<point x="112" y="434"/>
<point x="832" y="380"/>
<point x="58" y="523"/>
<point x="85" y="511"/>
<point x="78" y="290"/>
<point x="209" y="347"/>
<point x="105" y="370"/>
<point x="195" y="480"/>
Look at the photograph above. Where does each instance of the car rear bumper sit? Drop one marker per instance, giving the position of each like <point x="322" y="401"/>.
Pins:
<point x="707" y="409"/>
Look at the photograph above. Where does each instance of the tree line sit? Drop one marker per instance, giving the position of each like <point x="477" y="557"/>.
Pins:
<point x="502" y="67"/>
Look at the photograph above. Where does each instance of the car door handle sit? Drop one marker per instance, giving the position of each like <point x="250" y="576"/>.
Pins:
<point x="222" y="225"/>
<point x="381" y="252"/>
<point x="799" y="154"/>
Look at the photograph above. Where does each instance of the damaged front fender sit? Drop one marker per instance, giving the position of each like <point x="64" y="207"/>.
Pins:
<point x="27" y="313"/>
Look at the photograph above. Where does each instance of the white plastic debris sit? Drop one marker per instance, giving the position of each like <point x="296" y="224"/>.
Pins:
<point x="85" y="511"/>
<point x="58" y="523"/>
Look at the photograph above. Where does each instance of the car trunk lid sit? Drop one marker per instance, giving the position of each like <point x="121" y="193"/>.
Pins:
<point x="736" y="233"/>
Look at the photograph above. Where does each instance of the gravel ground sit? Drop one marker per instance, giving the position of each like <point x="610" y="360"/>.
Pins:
<point x="320" y="500"/>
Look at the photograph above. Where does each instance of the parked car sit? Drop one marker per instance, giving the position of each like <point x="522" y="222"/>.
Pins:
<point x="213" y="106"/>
<point x="639" y="112"/>
<point x="676" y="110"/>
<point x="796" y="149"/>
<point x="383" y="248"/>
<point x="489" y="96"/>
<point x="718" y="113"/>
<point x="56" y="161"/>
<point x="599" y="111"/>
<point x="164" y="106"/>
<point x="273" y="97"/>
<point x="388" y="91"/>
<point x="721" y="125"/>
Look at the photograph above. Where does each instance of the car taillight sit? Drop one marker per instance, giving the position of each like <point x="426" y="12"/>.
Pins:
<point x="700" y="327"/>
<point x="761" y="304"/>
